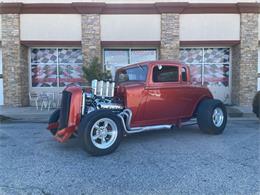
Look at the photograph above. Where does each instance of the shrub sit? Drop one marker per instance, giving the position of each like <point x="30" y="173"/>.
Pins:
<point x="94" y="70"/>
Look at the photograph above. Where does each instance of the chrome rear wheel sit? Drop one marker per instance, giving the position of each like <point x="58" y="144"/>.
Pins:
<point x="218" y="117"/>
<point x="212" y="116"/>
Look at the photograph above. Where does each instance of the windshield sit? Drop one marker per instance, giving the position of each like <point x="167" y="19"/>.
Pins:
<point x="137" y="73"/>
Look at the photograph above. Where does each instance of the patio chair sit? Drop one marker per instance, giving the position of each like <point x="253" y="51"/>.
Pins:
<point x="47" y="100"/>
<point x="58" y="99"/>
<point x="34" y="97"/>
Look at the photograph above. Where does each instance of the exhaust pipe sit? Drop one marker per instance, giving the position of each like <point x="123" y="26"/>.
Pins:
<point x="126" y="117"/>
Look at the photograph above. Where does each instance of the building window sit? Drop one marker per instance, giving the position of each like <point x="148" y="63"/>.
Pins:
<point x="116" y="58"/>
<point x="56" y="67"/>
<point x="209" y="66"/>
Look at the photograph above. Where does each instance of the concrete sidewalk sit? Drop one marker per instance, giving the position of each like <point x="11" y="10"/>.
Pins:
<point x="31" y="114"/>
<point x="25" y="114"/>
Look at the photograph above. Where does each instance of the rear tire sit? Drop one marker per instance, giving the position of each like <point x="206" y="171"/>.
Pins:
<point x="212" y="116"/>
<point x="100" y="132"/>
<point x="53" y="119"/>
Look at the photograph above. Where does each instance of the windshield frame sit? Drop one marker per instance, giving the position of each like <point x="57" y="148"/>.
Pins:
<point x="142" y="67"/>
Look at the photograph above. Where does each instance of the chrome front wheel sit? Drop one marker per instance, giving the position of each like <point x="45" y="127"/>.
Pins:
<point x="104" y="133"/>
<point x="100" y="132"/>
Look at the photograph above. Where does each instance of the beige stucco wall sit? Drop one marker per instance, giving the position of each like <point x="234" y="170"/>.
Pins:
<point x="209" y="27"/>
<point x="130" y="27"/>
<point x="48" y="27"/>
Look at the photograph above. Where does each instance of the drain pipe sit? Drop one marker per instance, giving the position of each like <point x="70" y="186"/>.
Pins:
<point x="126" y="117"/>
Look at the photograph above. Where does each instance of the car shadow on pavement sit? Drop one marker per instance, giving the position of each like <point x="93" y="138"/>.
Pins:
<point x="135" y="140"/>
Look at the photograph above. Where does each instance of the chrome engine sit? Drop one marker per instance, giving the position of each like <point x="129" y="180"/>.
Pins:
<point x="92" y="102"/>
<point x="101" y="97"/>
<point x="109" y="105"/>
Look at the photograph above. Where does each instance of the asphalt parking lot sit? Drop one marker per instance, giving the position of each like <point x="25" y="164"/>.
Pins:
<point x="180" y="161"/>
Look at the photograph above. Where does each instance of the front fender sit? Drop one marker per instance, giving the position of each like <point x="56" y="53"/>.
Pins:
<point x="70" y="114"/>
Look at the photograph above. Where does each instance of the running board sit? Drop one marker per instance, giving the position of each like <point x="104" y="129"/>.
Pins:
<point x="188" y="123"/>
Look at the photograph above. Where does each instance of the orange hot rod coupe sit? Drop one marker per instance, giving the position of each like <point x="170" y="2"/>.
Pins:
<point x="145" y="96"/>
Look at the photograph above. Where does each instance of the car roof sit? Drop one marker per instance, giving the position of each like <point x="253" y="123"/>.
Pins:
<point x="149" y="63"/>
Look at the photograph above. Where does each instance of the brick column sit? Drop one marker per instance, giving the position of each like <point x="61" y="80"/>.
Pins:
<point x="15" y="62"/>
<point x="245" y="61"/>
<point x="235" y="74"/>
<point x="170" y="38"/>
<point x="91" y="46"/>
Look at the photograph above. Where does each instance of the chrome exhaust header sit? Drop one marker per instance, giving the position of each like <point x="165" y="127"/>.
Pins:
<point x="126" y="117"/>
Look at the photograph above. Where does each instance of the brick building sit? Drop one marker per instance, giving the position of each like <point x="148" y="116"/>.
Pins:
<point x="44" y="45"/>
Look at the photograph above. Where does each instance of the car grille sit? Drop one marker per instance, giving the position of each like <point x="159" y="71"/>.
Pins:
<point x="65" y="109"/>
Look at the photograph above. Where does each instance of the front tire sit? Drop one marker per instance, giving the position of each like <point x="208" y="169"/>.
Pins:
<point x="54" y="119"/>
<point x="100" y="132"/>
<point x="212" y="116"/>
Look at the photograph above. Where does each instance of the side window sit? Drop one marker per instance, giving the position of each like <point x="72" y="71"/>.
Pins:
<point x="184" y="74"/>
<point x="165" y="74"/>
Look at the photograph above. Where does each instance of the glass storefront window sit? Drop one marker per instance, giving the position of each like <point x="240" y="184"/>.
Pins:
<point x="70" y="67"/>
<point x="44" y="75"/>
<point x="191" y="55"/>
<point x="43" y="56"/>
<point x="209" y="66"/>
<point x="216" y="74"/>
<point x="195" y="73"/>
<point x="116" y="58"/>
<point x="56" y="67"/>
<point x="141" y="55"/>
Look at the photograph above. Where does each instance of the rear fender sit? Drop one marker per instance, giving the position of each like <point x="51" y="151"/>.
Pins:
<point x="196" y="106"/>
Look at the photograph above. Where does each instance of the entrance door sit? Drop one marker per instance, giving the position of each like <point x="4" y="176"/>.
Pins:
<point x="1" y="81"/>
<point x="210" y="67"/>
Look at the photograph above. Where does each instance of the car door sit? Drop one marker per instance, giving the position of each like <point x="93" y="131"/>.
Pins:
<point x="163" y="100"/>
